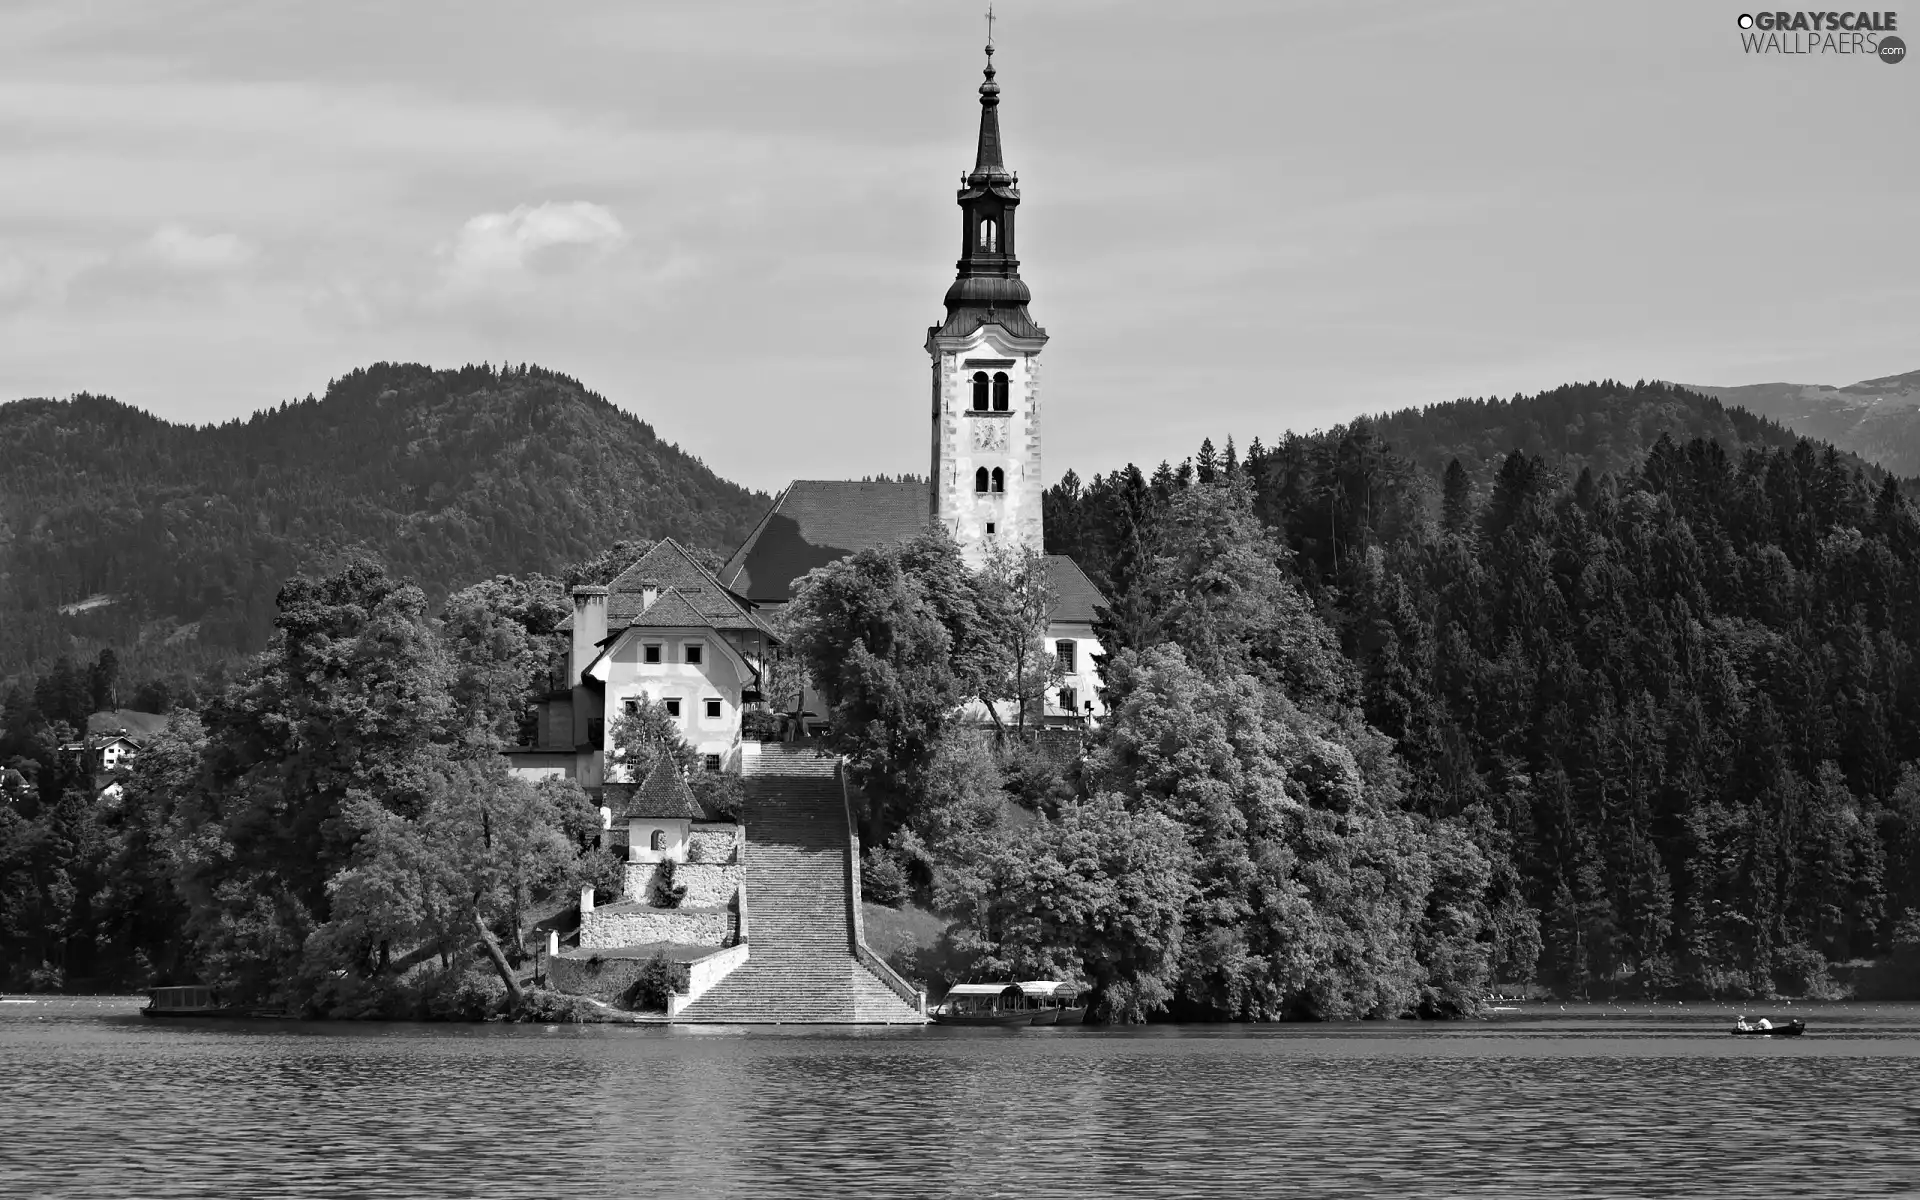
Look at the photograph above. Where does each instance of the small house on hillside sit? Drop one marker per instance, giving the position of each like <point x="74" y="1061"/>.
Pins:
<point x="102" y="753"/>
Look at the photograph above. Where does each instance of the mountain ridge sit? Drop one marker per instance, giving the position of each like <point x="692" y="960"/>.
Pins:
<point x="448" y="476"/>
<point x="1877" y="419"/>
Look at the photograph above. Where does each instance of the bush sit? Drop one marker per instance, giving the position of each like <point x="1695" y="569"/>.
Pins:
<point x="883" y="878"/>
<point x="651" y="989"/>
<point x="667" y="893"/>
<point x="760" y="723"/>
<point x="464" y="993"/>
<point x="1800" y="970"/>
<point x="538" y="1006"/>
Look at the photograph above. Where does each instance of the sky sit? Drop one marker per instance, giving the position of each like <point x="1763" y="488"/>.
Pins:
<point x="737" y="220"/>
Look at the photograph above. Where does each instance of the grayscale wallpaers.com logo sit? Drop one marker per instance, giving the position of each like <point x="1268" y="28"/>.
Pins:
<point x="1864" y="33"/>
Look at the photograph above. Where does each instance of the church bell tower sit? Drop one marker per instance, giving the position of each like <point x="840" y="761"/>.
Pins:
<point x="986" y="480"/>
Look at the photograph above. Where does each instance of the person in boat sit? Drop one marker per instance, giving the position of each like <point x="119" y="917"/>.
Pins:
<point x="1741" y="1024"/>
<point x="1765" y="1024"/>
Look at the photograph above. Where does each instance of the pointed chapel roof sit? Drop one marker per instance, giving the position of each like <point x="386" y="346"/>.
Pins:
<point x="664" y="795"/>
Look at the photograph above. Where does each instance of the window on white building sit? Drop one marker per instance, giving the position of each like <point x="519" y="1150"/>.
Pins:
<point x="713" y="762"/>
<point x="1063" y="654"/>
<point x="694" y="653"/>
<point x="1000" y="391"/>
<point x="659" y="841"/>
<point x="650" y="654"/>
<point x="632" y="706"/>
<point x="1068" y="700"/>
<point x="673" y="707"/>
<point x="713" y="709"/>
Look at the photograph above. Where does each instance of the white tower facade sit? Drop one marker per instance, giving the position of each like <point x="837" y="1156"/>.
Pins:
<point x="986" y="481"/>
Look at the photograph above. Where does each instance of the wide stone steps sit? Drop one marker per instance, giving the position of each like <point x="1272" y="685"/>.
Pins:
<point x="801" y="966"/>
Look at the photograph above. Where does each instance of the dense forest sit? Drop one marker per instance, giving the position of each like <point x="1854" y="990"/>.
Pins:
<point x="1629" y="707"/>
<point x="1679" y="688"/>
<point x="168" y="542"/>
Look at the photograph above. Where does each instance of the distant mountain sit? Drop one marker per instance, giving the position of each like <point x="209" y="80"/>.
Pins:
<point x="1604" y="427"/>
<point x="1878" y="419"/>
<point x="170" y="541"/>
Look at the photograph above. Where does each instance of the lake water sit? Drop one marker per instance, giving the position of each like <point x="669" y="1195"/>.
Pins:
<point x="1596" y="1101"/>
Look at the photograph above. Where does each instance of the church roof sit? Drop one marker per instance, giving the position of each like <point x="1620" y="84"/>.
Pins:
<point x="701" y="601"/>
<point x="664" y="795"/>
<point x="1075" y="596"/>
<point x="820" y="521"/>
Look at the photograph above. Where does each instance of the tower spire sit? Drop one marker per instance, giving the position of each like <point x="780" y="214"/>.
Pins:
<point x="987" y="162"/>
<point x="988" y="288"/>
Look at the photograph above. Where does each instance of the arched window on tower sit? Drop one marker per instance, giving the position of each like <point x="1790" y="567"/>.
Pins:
<point x="1000" y="391"/>
<point x="989" y="234"/>
<point x="980" y="480"/>
<point x="979" y="391"/>
<point x="999" y="480"/>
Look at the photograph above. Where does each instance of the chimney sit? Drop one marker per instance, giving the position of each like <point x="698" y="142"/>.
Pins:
<point x="589" y="628"/>
<point x="649" y="592"/>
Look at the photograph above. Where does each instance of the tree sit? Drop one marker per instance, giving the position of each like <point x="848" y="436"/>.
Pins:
<point x="1217" y="590"/>
<point x="103" y="682"/>
<point x="500" y="633"/>
<point x="893" y="639"/>
<point x="641" y="734"/>
<point x="465" y="865"/>
<point x="1097" y="895"/>
<point x="1016" y="598"/>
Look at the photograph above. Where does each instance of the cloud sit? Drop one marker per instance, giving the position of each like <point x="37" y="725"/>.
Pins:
<point x="178" y="248"/>
<point x="542" y="239"/>
<point x="20" y="280"/>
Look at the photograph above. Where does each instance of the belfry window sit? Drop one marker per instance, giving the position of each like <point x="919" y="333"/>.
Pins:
<point x="980" y="391"/>
<point x="980" y="480"/>
<point x="989" y="234"/>
<point x="999" y="480"/>
<point x="1000" y="391"/>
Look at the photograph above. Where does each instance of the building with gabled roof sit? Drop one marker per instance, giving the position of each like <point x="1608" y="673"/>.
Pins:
<point x="699" y="642"/>
<point x="666" y="630"/>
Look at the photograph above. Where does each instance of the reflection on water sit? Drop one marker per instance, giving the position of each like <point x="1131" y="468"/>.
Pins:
<point x="1653" y="1101"/>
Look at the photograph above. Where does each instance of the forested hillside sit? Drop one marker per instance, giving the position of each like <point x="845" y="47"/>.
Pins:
<point x="1681" y="689"/>
<point x="170" y="541"/>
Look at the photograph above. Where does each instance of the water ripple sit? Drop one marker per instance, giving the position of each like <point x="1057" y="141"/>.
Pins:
<point x="95" y="1101"/>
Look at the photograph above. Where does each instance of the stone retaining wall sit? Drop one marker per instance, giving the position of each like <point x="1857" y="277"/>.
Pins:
<point x="713" y="844"/>
<point x="634" y="925"/>
<point x="709" y="885"/>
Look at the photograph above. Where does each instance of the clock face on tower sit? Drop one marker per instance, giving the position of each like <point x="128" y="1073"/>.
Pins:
<point x="989" y="435"/>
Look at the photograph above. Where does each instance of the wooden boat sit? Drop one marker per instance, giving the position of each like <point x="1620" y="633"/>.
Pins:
<point x="983" y="1004"/>
<point x="1054" y="1002"/>
<point x="1793" y="1028"/>
<point x="191" y="1001"/>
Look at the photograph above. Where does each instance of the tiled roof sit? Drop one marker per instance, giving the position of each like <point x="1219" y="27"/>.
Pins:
<point x="820" y="521"/>
<point x="665" y="795"/>
<point x="1075" y="595"/>
<point x="704" y="602"/>
<point x="671" y="611"/>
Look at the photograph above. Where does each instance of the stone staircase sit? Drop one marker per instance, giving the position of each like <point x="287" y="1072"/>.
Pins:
<point x="805" y="963"/>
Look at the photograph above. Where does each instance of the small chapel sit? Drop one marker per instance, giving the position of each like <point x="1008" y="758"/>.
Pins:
<point x="759" y="912"/>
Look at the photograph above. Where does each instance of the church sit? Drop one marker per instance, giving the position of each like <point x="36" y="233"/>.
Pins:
<point x="700" y="642"/>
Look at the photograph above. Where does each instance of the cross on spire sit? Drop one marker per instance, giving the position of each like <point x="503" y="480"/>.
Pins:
<point x="989" y="29"/>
